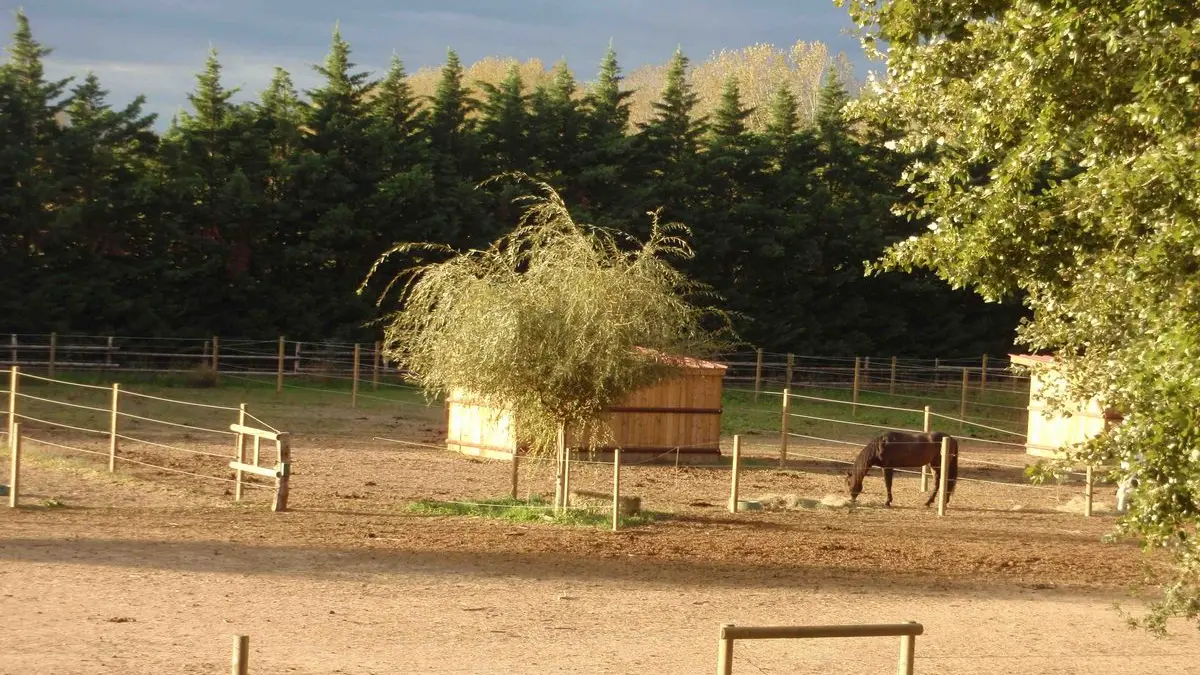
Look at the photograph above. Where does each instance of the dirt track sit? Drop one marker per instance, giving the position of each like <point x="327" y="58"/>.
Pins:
<point x="139" y="575"/>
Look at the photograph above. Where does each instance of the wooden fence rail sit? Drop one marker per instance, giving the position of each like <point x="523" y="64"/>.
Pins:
<point x="907" y="632"/>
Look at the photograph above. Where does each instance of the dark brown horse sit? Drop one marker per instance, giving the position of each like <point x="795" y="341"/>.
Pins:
<point x="896" y="449"/>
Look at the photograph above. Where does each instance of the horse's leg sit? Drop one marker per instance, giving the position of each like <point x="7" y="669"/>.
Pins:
<point x="937" y="482"/>
<point x="887" y="481"/>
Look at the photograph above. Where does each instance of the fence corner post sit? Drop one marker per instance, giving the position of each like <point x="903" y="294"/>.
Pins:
<point x="908" y="644"/>
<point x="725" y="652"/>
<point x="241" y="655"/>
<point x="283" y="471"/>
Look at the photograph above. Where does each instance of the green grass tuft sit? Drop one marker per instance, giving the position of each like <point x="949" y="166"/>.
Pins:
<point x="536" y="510"/>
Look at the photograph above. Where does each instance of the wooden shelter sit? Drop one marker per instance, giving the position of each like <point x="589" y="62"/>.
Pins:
<point x="676" y="419"/>
<point x="1046" y="436"/>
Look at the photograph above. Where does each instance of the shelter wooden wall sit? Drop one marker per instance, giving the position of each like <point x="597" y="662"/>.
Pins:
<point x="679" y="415"/>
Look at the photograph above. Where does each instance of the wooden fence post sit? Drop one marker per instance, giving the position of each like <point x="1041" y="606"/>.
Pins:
<point x="559" y="459"/>
<point x="1089" y="484"/>
<point x="791" y="364"/>
<point x="983" y="374"/>
<point x="783" y="435"/>
<point x="283" y="445"/>
<point x="516" y="474"/>
<point x="53" y="353"/>
<point x="926" y="427"/>
<point x="14" y="470"/>
<point x="241" y="655"/>
<point x="354" y="384"/>
<point x="737" y="461"/>
<point x="758" y="374"/>
<point x="962" y="408"/>
<point x="108" y="353"/>
<point x="616" y="489"/>
<point x="892" y="381"/>
<point x="14" y="375"/>
<point x="937" y="372"/>
<point x="12" y="340"/>
<point x="908" y="644"/>
<point x="279" y="366"/>
<point x="375" y="367"/>
<point x="942" y="480"/>
<point x="241" y="453"/>
<point x="112" y="427"/>
<point x="867" y="370"/>
<point x="216" y="356"/>
<point x="854" y="395"/>
<point x="296" y="363"/>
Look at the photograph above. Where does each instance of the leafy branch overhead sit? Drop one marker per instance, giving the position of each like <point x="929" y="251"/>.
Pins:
<point x="1055" y="153"/>
<point x="555" y="320"/>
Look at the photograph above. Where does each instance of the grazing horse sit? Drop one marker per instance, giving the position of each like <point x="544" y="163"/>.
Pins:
<point x="900" y="449"/>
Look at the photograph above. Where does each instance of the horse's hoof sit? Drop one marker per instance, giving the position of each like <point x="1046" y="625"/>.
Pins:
<point x="887" y="505"/>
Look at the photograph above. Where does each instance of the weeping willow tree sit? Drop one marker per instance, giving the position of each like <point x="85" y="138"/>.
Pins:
<point x="553" y="322"/>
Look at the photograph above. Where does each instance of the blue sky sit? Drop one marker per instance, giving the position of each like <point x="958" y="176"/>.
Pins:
<point x="155" y="47"/>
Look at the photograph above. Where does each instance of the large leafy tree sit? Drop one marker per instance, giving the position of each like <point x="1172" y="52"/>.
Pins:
<point x="1059" y="157"/>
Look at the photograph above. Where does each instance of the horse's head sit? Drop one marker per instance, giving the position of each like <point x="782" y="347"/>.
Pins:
<point x="854" y="486"/>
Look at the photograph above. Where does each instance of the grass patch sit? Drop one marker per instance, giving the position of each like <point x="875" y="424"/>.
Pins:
<point x="536" y="510"/>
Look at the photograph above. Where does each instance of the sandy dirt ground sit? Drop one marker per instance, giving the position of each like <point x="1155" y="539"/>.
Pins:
<point x="145" y="572"/>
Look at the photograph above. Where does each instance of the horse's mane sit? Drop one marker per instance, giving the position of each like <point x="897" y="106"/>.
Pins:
<point x="862" y="463"/>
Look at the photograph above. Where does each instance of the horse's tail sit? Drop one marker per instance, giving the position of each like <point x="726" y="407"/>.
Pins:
<point x="951" y="465"/>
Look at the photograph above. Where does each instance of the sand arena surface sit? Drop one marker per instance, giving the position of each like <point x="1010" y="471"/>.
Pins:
<point x="144" y="572"/>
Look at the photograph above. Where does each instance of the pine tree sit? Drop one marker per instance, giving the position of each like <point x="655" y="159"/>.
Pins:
<point x="395" y="106"/>
<point x="504" y="125"/>
<point x="605" y="166"/>
<point x="449" y="107"/>
<point x="557" y="130"/>
<point x="729" y="119"/>
<point x="668" y="145"/>
<point x="31" y="178"/>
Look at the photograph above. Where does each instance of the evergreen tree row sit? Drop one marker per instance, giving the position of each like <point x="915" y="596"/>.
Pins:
<point x="261" y="218"/>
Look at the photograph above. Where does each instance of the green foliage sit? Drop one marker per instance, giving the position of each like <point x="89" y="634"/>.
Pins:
<point x="555" y="321"/>
<point x="1053" y="150"/>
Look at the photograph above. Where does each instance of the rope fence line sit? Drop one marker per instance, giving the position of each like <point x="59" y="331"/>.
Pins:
<point x="172" y="447"/>
<point x="857" y="424"/>
<point x="175" y="424"/>
<point x="175" y="401"/>
<point x="981" y="426"/>
<point x="64" y="382"/>
<point x="337" y="391"/>
<point x="60" y="424"/>
<point x="139" y="462"/>
<point x="268" y="427"/>
<point x="62" y="403"/>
